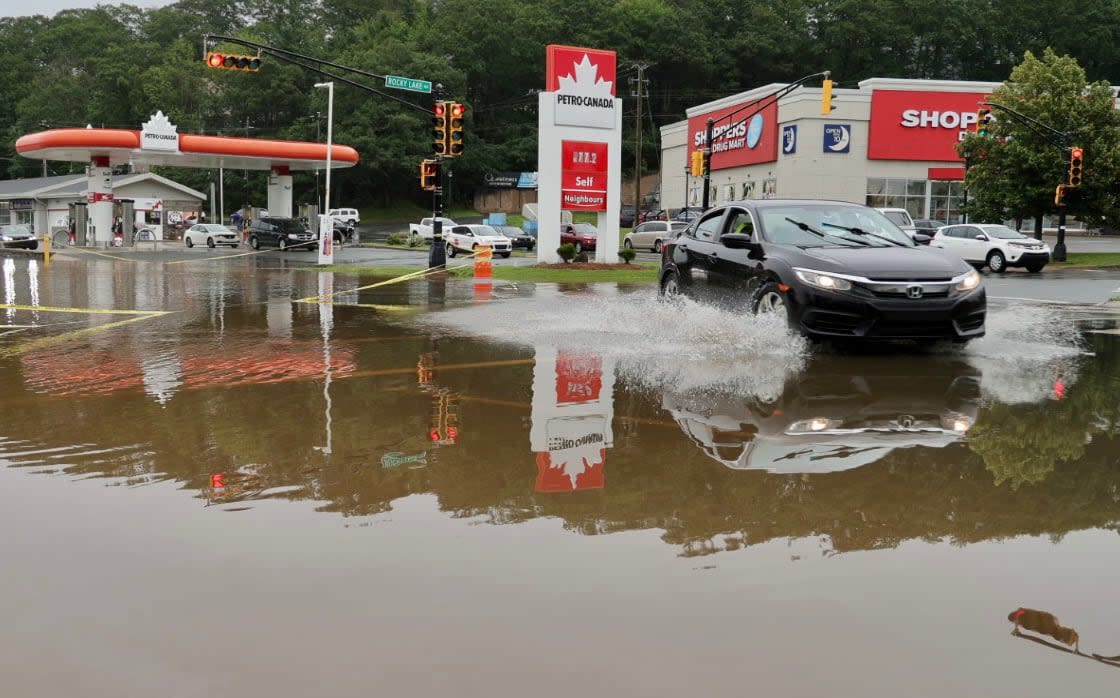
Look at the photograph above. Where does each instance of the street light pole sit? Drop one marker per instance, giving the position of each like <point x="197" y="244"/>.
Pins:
<point x="326" y="227"/>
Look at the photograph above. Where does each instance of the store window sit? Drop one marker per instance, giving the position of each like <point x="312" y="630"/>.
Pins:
<point x="909" y="194"/>
<point x="945" y="199"/>
<point x="748" y="190"/>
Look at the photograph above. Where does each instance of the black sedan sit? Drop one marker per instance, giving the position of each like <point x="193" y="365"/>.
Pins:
<point x="836" y="270"/>
<point x="517" y="236"/>
<point x="19" y="236"/>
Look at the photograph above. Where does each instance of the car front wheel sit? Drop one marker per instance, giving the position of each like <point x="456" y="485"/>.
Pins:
<point x="505" y="255"/>
<point x="996" y="262"/>
<point x="283" y="244"/>
<point x="254" y="242"/>
<point x="210" y="242"/>
<point x="627" y="244"/>
<point x="657" y="247"/>
<point x="190" y="243"/>
<point x="768" y="298"/>
<point x="451" y="251"/>
<point x="670" y="285"/>
<point x="1035" y="267"/>
<point x="579" y="248"/>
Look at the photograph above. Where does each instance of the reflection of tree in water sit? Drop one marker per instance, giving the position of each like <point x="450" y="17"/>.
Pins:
<point x="1023" y="443"/>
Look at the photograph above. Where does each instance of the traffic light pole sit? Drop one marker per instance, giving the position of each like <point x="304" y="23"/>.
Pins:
<point x="1064" y="141"/>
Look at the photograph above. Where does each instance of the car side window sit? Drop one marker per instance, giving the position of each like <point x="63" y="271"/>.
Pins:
<point x="641" y="228"/>
<point x="708" y="227"/>
<point x="740" y="221"/>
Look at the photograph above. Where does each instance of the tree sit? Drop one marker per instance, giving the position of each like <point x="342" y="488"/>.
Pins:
<point x="1014" y="169"/>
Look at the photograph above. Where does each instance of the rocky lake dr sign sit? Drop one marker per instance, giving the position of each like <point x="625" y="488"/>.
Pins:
<point x="407" y="84"/>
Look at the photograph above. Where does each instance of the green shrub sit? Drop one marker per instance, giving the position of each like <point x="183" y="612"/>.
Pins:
<point x="627" y="255"/>
<point x="566" y="251"/>
<point x="397" y="239"/>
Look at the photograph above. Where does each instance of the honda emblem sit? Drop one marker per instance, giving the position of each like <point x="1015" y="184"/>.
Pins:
<point x="913" y="291"/>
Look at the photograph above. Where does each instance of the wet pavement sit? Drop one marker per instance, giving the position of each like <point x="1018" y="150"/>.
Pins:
<point x="226" y="487"/>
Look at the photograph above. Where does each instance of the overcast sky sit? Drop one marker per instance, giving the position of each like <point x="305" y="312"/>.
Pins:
<point x="17" y="8"/>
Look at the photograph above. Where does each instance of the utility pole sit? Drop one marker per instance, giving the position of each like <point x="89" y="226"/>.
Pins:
<point x="636" y="91"/>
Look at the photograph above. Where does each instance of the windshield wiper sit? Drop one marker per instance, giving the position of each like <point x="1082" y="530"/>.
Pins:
<point x="861" y="231"/>
<point x="810" y="229"/>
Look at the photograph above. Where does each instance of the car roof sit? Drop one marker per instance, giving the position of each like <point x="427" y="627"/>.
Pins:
<point x="775" y="203"/>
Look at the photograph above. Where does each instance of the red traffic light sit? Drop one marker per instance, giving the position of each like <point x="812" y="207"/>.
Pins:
<point x="215" y="60"/>
<point x="1076" y="153"/>
<point x="229" y="61"/>
<point x="457" y="110"/>
<point x="438" y="109"/>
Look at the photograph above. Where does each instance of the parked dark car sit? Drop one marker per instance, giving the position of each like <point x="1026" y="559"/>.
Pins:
<point x="686" y="214"/>
<point x="926" y="226"/>
<point x="343" y="230"/>
<point x="517" y="236"/>
<point x="18" y="236"/>
<point x="582" y="235"/>
<point x="626" y="216"/>
<point x="655" y="214"/>
<point x="284" y="233"/>
<point x="835" y="271"/>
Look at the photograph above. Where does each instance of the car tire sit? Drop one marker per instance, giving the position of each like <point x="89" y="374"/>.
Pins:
<point x="190" y="243"/>
<point x="657" y="246"/>
<point x="233" y="247"/>
<point x="768" y="298"/>
<point x="670" y="286"/>
<point x="996" y="262"/>
<point x="283" y="244"/>
<point x="451" y="251"/>
<point x="504" y="255"/>
<point x="254" y="242"/>
<point x="627" y="244"/>
<point x="1034" y="268"/>
<point x="210" y="243"/>
<point x="351" y="222"/>
<point x="579" y="248"/>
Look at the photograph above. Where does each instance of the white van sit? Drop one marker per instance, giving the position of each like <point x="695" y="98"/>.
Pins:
<point x="901" y="218"/>
<point x="346" y="215"/>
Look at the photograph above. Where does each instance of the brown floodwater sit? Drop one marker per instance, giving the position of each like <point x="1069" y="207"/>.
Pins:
<point x="430" y="488"/>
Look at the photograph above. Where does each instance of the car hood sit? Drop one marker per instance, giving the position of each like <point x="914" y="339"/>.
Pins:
<point x="491" y="239"/>
<point x="18" y="234"/>
<point x="885" y="263"/>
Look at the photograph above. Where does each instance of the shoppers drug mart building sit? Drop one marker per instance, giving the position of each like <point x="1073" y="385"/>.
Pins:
<point x="888" y="143"/>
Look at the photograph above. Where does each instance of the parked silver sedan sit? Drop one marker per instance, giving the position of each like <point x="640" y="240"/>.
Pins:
<point x="650" y="235"/>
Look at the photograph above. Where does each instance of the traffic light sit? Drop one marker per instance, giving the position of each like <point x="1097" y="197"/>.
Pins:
<point x="697" y="169"/>
<point x="439" y="128"/>
<point x="1075" y="167"/>
<point x="983" y="119"/>
<point x="429" y="174"/>
<point x="230" y="61"/>
<point x="456" y="112"/>
<point x="826" y="96"/>
<point x="1060" y="195"/>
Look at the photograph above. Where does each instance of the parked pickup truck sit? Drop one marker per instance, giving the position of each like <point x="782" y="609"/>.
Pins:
<point x="424" y="228"/>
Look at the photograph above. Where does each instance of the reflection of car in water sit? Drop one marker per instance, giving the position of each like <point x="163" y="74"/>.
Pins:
<point x="838" y="414"/>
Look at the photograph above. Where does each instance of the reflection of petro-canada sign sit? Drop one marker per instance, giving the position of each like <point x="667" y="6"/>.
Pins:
<point x="582" y="81"/>
<point x="158" y="133"/>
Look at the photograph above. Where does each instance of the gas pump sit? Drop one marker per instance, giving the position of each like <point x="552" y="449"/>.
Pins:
<point x="79" y="217"/>
<point x="123" y="209"/>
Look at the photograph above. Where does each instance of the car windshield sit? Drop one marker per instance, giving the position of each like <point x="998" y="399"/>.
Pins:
<point x="214" y="228"/>
<point x="483" y="230"/>
<point x="1002" y="232"/>
<point x="586" y="228"/>
<point x="510" y="230"/>
<point x="15" y="230"/>
<point x="841" y="225"/>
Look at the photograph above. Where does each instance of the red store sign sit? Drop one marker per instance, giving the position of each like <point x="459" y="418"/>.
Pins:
<point x="583" y="176"/>
<point x="909" y="125"/>
<point x="94" y="197"/>
<point x="739" y="136"/>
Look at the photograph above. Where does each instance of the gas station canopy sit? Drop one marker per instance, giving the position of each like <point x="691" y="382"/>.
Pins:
<point x="124" y="147"/>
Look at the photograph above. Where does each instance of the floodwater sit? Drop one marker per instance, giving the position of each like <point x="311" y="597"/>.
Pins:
<point x="427" y="488"/>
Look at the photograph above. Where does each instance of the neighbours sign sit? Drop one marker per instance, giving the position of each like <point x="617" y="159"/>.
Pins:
<point x="583" y="176"/>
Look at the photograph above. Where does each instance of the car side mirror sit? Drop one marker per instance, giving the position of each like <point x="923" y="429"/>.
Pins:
<point x="739" y="241"/>
<point x="981" y="236"/>
<point x="921" y="239"/>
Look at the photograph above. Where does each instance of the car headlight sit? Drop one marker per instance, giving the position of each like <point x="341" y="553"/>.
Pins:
<point x="956" y="422"/>
<point x="967" y="282"/>
<point x="1017" y="244"/>
<point x="825" y="281"/>
<point x="5" y="238"/>
<point x="805" y="426"/>
<point x="293" y="236"/>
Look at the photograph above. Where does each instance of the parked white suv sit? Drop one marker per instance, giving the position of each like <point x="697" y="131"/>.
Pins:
<point x="901" y="218"/>
<point x="346" y="215"/>
<point x="996" y="246"/>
